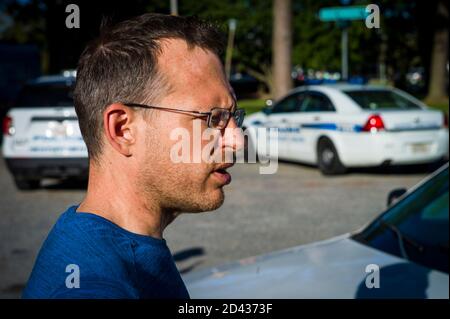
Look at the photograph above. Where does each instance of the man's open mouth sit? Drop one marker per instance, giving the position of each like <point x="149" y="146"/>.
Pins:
<point x="222" y="175"/>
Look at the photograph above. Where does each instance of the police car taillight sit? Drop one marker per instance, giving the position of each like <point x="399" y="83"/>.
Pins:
<point x="8" y="128"/>
<point x="374" y="124"/>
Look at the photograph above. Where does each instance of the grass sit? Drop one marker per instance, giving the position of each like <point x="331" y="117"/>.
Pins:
<point x="439" y="106"/>
<point x="252" y="106"/>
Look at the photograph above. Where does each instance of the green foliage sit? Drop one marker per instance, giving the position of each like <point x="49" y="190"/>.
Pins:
<point x="28" y="23"/>
<point x="253" y="47"/>
<point x="405" y="33"/>
<point x="315" y="44"/>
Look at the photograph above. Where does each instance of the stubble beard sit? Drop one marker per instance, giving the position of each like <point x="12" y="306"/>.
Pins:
<point x="173" y="189"/>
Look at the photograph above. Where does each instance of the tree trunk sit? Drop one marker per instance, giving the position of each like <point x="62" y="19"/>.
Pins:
<point x="282" y="47"/>
<point x="439" y="57"/>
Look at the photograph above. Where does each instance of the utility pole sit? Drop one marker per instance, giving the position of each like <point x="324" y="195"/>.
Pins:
<point x="174" y="7"/>
<point x="230" y="45"/>
<point x="439" y="56"/>
<point x="344" y="42"/>
<point x="344" y="53"/>
<point x="342" y="16"/>
<point x="382" y="57"/>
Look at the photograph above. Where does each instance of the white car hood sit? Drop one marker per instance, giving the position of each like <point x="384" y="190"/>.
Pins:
<point x="329" y="269"/>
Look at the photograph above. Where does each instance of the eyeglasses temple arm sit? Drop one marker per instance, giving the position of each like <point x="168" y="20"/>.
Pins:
<point x="167" y="109"/>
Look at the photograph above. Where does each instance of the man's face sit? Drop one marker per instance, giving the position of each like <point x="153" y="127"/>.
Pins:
<point x="197" y="83"/>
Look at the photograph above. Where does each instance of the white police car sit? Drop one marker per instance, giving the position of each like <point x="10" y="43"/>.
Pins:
<point x="41" y="133"/>
<point x="341" y="126"/>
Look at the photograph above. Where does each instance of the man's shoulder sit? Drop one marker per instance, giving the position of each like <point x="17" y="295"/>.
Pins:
<point x="83" y="246"/>
<point x="84" y="238"/>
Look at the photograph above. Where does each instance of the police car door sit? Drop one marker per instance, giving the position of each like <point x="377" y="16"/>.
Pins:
<point x="316" y="117"/>
<point x="280" y="118"/>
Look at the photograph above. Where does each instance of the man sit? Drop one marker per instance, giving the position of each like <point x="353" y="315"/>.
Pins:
<point x="136" y="84"/>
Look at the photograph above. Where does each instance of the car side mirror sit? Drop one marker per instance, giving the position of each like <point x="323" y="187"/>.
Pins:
<point x="394" y="195"/>
<point x="269" y="106"/>
<point x="267" y="110"/>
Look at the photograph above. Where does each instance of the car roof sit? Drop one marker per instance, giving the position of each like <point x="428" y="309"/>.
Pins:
<point x="330" y="88"/>
<point x="52" y="79"/>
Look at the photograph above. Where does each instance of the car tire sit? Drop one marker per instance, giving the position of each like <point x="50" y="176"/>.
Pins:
<point x="23" y="183"/>
<point x="328" y="158"/>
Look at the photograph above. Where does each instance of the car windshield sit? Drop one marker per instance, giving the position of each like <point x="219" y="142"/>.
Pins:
<point x="416" y="228"/>
<point x="55" y="94"/>
<point x="381" y="100"/>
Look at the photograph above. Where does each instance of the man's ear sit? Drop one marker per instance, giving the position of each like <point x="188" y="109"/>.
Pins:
<point x="117" y="120"/>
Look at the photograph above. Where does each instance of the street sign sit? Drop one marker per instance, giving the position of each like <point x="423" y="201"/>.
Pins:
<point x="343" y="13"/>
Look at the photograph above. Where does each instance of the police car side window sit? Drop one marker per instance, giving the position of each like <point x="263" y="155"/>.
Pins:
<point x="53" y="94"/>
<point x="289" y="104"/>
<point x="317" y="102"/>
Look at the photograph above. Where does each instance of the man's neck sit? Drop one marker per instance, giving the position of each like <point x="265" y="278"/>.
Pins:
<point x="114" y="197"/>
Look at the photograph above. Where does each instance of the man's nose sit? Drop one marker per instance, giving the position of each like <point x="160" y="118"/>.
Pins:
<point x="233" y="137"/>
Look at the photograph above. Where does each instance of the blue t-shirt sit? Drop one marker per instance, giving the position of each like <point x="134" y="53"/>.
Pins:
<point x="87" y="256"/>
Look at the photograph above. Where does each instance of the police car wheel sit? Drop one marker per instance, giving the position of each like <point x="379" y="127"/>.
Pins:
<point x="328" y="158"/>
<point x="23" y="183"/>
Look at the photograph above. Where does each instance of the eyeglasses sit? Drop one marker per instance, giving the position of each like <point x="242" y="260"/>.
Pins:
<point x="217" y="118"/>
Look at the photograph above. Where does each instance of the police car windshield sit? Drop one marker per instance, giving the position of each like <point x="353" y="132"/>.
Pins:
<point x="39" y="95"/>
<point x="381" y="100"/>
<point x="416" y="227"/>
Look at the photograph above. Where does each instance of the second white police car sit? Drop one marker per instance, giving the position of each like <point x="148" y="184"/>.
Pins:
<point x="340" y="126"/>
<point x="41" y="133"/>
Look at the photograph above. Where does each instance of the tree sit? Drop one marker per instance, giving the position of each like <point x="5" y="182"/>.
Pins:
<point x="439" y="56"/>
<point x="404" y="41"/>
<point x="252" y="51"/>
<point x="282" y="47"/>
